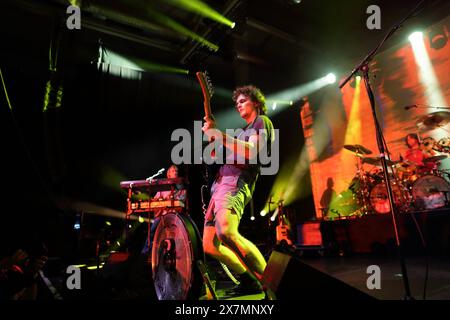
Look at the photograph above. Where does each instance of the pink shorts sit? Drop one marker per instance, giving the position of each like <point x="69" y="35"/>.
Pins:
<point x="228" y="192"/>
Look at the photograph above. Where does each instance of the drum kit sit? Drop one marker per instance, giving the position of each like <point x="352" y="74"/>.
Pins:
<point x="415" y="186"/>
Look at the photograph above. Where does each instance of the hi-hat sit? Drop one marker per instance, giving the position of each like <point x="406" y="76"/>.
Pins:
<point x="433" y="120"/>
<point x="357" y="148"/>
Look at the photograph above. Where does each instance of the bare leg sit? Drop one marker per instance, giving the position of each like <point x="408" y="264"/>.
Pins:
<point x="213" y="247"/>
<point x="227" y="224"/>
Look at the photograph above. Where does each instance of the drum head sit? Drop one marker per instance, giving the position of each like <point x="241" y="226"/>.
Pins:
<point x="429" y="192"/>
<point x="176" y="249"/>
<point x="379" y="198"/>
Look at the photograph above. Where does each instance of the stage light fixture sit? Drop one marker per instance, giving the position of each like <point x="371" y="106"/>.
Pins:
<point x="355" y="82"/>
<point x="274" y="216"/>
<point x="415" y="36"/>
<point x="331" y="78"/>
<point x="438" y="38"/>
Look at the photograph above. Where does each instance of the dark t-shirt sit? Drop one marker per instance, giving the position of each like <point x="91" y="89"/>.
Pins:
<point x="248" y="170"/>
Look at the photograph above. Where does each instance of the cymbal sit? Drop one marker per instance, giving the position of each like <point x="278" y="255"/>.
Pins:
<point x="434" y="120"/>
<point x="435" y="158"/>
<point x="377" y="161"/>
<point x="357" y="148"/>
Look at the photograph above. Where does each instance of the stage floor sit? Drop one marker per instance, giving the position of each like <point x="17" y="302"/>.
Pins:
<point x="353" y="271"/>
<point x="126" y="283"/>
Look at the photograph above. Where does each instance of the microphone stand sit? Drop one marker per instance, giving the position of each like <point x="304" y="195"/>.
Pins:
<point x="150" y="179"/>
<point x="364" y="68"/>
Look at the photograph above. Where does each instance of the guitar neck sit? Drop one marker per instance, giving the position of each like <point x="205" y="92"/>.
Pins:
<point x="207" y="107"/>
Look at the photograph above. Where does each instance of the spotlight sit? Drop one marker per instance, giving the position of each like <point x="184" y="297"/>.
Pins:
<point x="252" y="218"/>
<point x="415" y="36"/>
<point x="438" y="38"/>
<point x="141" y="219"/>
<point x="274" y="106"/>
<point x="233" y="25"/>
<point x="355" y="82"/>
<point x="273" y="217"/>
<point x="263" y="213"/>
<point x="331" y="78"/>
<point x="77" y="223"/>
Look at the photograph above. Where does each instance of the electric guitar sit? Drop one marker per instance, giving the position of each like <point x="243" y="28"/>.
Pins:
<point x="283" y="229"/>
<point x="208" y="92"/>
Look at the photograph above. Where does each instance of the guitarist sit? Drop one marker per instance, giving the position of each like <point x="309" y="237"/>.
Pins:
<point x="233" y="188"/>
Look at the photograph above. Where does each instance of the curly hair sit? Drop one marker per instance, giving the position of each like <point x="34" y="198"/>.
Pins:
<point x="255" y="96"/>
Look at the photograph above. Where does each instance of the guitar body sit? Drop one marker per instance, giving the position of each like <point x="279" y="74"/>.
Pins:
<point x="283" y="231"/>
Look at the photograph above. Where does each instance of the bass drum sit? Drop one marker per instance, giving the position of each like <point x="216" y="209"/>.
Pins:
<point x="176" y="249"/>
<point x="379" y="199"/>
<point x="429" y="192"/>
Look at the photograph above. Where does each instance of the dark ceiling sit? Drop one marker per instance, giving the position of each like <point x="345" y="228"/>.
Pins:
<point x="276" y="43"/>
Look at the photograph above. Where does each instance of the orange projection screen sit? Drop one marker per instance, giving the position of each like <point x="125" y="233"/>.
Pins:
<point x="407" y="74"/>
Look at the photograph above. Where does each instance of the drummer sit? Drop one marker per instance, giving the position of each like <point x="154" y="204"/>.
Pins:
<point x="415" y="155"/>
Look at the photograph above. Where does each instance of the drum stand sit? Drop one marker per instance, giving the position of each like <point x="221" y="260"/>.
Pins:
<point x="363" y="186"/>
<point x="364" y="68"/>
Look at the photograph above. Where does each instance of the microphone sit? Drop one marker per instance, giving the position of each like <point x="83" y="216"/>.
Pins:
<point x="410" y="106"/>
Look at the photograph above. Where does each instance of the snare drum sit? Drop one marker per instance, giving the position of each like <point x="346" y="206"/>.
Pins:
<point x="379" y="198"/>
<point x="406" y="171"/>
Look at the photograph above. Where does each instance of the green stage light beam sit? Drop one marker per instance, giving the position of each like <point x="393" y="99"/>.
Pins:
<point x="298" y="92"/>
<point x="175" y="26"/>
<point x="204" y="10"/>
<point x="111" y="58"/>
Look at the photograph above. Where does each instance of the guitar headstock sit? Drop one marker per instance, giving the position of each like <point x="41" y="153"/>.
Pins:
<point x="206" y="85"/>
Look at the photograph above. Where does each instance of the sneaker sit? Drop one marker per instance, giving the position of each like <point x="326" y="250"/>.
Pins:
<point x="244" y="290"/>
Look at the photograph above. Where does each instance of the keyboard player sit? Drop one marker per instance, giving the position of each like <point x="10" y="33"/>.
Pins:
<point x="172" y="173"/>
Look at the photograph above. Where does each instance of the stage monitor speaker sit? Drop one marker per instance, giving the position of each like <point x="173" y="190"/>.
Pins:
<point x="286" y="277"/>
